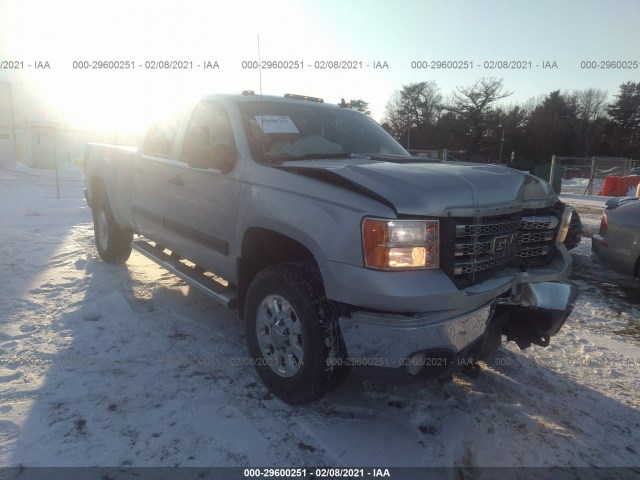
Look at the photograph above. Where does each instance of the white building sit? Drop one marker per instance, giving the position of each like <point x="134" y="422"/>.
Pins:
<point x="33" y="134"/>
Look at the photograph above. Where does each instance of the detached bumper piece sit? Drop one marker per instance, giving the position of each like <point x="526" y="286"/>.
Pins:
<point x="541" y="311"/>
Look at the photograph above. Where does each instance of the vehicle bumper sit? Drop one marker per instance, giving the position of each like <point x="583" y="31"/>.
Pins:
<point x="388" y="340"/>
<point x="532" y="311"/>
<point x="537" y="313"/>
<point x="429" y="290"/>
<point x="608" y="258"/>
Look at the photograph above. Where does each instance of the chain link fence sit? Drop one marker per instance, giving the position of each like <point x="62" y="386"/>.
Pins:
<point x="20" y="181"/>
<point x="586" y="176"/>
<point x="580" y="176"/>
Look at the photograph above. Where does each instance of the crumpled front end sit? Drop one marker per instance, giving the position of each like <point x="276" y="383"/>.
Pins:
<point x="439" y="344"/>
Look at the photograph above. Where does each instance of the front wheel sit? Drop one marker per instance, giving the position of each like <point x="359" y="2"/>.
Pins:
<point x="112" y="241"/>
<point x="574" y="235"/>
<point x="292" y="333"/>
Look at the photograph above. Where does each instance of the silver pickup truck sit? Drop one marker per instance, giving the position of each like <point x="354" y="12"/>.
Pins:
<point x="336" y="245"/>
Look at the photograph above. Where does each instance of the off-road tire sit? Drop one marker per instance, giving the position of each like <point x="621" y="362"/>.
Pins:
<point x="321" y="367"/>
<point x="112" y="241"/>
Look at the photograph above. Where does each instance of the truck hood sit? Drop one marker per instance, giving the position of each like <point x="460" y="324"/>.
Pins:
<point x="434" y="189"/>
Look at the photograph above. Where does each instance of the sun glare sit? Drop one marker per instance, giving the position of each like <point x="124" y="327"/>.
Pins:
<point x="70" y="35"/>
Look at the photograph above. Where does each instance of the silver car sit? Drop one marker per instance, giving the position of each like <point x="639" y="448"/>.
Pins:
<point x="617" y="245"/>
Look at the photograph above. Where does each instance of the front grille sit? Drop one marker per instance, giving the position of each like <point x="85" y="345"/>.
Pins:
<point x="482" y="263"/>
<point x="486" y="229"/>
<point x="530" y="252"/>
<point x="465" y="249"/>
<point x="538" y="238"/>
<point x="486" y="245"/>
<point x="532" y="237"/>
<point x="531" y="222"/>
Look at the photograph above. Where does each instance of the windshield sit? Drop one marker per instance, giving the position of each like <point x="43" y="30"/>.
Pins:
<point x="279" y="131"/>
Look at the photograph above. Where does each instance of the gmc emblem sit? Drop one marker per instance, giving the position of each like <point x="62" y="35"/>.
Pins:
<point x="504" y="243"/>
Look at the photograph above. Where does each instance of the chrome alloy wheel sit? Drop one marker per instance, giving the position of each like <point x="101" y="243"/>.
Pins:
<point x="279" y="335"/>
<point x="102" y="229"/>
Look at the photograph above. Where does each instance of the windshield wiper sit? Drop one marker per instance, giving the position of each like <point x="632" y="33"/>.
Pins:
<point x="310" y="156"/>
<point x="273" y="159"/>
<point x="394" y="158"/>
<point x="380" y="157"/>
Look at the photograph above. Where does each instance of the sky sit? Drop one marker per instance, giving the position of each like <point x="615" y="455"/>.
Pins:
<point x="392" y="34"/>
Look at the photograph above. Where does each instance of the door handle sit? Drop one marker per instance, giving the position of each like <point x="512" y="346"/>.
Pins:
<point x="177" y="181"/>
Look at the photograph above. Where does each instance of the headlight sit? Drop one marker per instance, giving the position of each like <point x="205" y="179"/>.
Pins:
<point x="401" y="244"/>
<point x="564" y="224"/>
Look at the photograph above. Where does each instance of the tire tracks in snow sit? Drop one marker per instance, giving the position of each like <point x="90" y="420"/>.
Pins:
<point x="211" y="338"/>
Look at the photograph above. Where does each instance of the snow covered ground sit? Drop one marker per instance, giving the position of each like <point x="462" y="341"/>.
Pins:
<point x="579" y="185"/>
<point x="128" y="366"/>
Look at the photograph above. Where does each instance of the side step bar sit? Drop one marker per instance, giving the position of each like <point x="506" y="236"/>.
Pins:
<point x="225" y="295"/>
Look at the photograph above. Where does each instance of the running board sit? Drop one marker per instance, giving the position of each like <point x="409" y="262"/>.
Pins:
<point x="217" y="291"/>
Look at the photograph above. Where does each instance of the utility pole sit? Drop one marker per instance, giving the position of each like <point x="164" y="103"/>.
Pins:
<point x="501" y="145"/>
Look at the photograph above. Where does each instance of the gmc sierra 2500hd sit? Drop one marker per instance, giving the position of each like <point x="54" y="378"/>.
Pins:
<point x="337" y="247"/>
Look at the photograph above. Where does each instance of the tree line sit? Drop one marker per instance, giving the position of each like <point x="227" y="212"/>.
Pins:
<point x="474" y="123"/>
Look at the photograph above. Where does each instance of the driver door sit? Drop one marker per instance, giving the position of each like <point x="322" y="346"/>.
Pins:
<point x="201" y="195"/>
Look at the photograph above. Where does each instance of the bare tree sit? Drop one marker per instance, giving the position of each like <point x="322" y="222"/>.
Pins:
<point x="416" y="105"/>
<point x="534" y="102"/>
<point x="473" y="105"/>
<point x="396" y="117"/>
<point x="590" y="106"/>
<point x="422" y="102"/>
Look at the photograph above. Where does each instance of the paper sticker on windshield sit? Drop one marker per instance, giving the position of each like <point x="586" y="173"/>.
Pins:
<point x="276" y="124"/>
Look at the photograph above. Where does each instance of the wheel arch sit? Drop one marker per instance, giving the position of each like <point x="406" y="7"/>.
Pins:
<point x="97" y="191"/>
<point x="263" y="247"/>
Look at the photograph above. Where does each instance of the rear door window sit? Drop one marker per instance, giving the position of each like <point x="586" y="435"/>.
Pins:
<point x="160" y="137"/>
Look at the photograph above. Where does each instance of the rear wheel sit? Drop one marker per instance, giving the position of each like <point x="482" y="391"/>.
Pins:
<point x="112" y="241"/>
<point x="292" y="333"/>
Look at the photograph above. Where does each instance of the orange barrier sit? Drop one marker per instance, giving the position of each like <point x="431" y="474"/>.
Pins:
<point x="619" y="186"/>
<point x="629" y="182"/>
<point x="609" y="186"/>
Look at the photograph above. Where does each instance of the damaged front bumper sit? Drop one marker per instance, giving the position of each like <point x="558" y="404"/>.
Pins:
<point x="437" y="344"/>
<point x="537" y="312"/>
